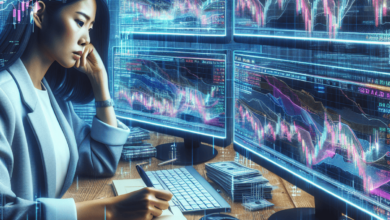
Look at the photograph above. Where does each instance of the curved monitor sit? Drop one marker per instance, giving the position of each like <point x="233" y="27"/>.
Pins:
<point x="173" y="17"/>
<point x="357" y="21"/>
<point x="323" y="118"/>
<point x="179" y="90"/>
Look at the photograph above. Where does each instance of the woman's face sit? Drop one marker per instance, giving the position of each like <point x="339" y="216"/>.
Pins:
<point x="67" y="32"/>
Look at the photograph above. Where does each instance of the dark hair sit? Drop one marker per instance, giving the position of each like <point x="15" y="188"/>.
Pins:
<point x="68" y="84"/>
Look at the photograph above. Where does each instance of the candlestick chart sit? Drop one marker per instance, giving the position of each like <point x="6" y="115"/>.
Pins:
<point x="13" y="12"/>
<point x="336" y="127"/>
<point x="177" y="91"/>
<point x="178" y="17"/>
<point x="341" y="20"/>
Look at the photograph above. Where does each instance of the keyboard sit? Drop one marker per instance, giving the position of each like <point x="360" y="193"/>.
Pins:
<point x="191" y="192"/>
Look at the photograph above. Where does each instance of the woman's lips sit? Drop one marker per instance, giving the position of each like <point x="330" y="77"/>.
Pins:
<point x="76" y="56"/>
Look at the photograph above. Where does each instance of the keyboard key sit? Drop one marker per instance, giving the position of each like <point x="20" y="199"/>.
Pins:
<point x="195" y="207"/>
<point x="188" y="208"/>
<point x="203" y="206"/>
<point x="212" y="200"/>
<point x="209" y="206"/>
<point x="216" y="205"/>
<point x="158" y="187"/>
<point x="154" y="181"/>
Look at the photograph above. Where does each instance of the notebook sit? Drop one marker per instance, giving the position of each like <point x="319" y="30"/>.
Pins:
<point x="130" y="185"/>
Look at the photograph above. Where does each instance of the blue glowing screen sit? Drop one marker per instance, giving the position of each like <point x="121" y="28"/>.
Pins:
<point x="176" y="89"/>
<point x="175" y="17"/>
<point x="322" y="116"/>
<point x="364" y="21"/>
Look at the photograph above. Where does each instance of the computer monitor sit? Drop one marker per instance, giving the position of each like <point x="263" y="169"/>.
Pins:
<point x="357" y="21"/>
<point x="321" y="121"/>
<point x="178" y="92"/>
<point x="167" y="19"/>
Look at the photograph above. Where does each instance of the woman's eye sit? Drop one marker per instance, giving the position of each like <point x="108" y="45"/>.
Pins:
<point x="80" y="23"/>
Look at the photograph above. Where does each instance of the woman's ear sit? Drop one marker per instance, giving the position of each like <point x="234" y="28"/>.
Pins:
<point x="39" y="9"/>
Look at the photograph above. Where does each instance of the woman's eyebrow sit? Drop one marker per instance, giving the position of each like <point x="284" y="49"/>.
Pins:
<point x="86" y="16"/>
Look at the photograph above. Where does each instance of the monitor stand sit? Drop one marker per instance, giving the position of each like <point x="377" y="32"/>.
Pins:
<point x="189" y="152"/>
<point x="295" y="214"/>
<point x="326" y="208"/>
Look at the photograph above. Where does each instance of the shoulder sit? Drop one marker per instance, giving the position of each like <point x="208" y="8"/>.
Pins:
<point x="9" y="89"/>
<point x="7" y="107"/>
<point x="7" y="82"/>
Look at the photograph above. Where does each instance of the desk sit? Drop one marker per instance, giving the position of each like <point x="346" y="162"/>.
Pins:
<point x="84" y="189"/>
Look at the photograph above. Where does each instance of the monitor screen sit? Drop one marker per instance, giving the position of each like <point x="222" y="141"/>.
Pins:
<point x="3" y="15"/>
<point x="357" y="21"/>
<point x="323" y="122"/>
<point x="173" y="17"/>
<point x="181" y="90"/>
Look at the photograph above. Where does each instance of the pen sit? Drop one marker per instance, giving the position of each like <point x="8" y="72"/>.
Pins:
<point x="146" y="180"/>
<point x="165" y="162"/>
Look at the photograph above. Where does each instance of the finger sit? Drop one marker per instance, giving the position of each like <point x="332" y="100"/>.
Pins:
<point x="148" y="216"/>
<point x="160" y="204"/>
<point x="155" y="211"/>
<point x="84" y="57"/>
<point x="163" y="194"/>
<point x="77" y="63"/>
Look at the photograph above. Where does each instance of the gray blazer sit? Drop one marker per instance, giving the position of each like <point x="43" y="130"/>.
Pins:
<point x="27" y="166"/>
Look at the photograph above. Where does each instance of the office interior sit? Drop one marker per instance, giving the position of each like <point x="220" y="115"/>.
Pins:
<point x="298" y="91"/>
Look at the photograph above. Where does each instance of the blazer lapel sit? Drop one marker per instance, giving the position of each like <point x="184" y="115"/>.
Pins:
<point x="35" y="117"/>
<point x="70" y="138"/>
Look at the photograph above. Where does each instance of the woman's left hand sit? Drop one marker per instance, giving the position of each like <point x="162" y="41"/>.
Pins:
<point x="90" y="62"/>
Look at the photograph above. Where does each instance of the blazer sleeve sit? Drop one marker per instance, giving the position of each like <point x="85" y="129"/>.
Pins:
<point x="100" y="145"/>
<point x="11" y="206"/>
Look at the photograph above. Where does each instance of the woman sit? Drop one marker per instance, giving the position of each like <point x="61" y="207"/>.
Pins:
<point x="43" y="144"/>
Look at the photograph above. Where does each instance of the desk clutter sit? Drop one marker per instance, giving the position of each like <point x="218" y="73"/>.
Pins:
<point x="243" y="184"/>
<point x="136" y="147"/>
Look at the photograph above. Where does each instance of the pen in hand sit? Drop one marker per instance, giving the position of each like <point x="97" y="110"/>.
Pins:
<point x="146" y="180"/>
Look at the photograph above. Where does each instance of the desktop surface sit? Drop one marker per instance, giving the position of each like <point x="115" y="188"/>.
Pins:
<point x="285" y="196"/>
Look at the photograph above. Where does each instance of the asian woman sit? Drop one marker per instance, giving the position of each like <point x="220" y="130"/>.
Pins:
<point x="55" y="54"/>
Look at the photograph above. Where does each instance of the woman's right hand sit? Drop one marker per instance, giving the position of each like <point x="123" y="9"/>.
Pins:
<point x="143" y="204"/>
